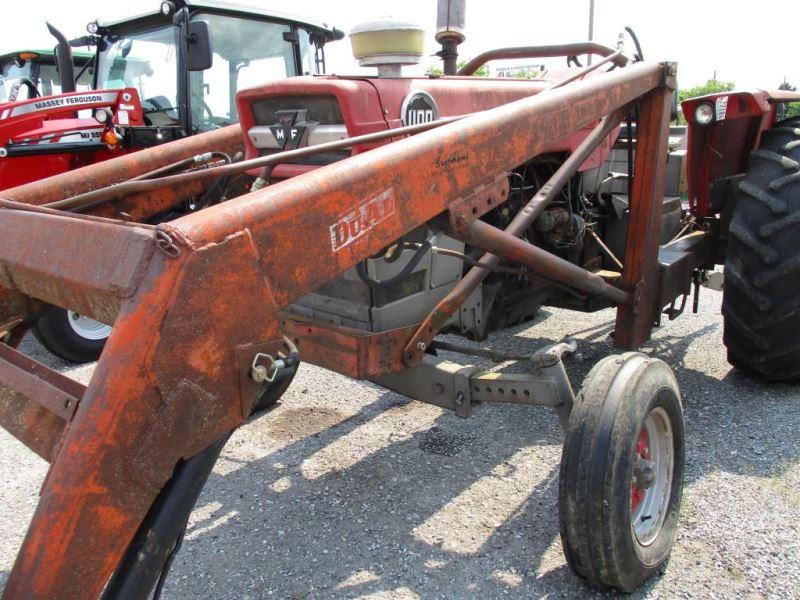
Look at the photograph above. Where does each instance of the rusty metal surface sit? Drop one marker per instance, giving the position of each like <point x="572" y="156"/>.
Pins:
<point x="227" y="139"/>
<point x="171" y="188"/>
<point x="78" y="264"/>
<point x="551" y="51"/>
<point x="465" y="210"/>
<point x="35" y="401"/>
<point x="168" y="382"/>
<point x="348" y="351"/>
<point x="640" y="275"/>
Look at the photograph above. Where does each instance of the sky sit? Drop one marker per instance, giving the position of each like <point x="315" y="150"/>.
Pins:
<point x="752" y="48"/>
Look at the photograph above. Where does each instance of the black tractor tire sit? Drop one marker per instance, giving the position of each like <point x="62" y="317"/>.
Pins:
<point x="761" y="298"/>
<point x="273" y="392"/>
<point x="55" y="333"/>
<point x="617" y="532"/>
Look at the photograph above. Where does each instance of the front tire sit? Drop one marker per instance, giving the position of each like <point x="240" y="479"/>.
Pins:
<point x="761" y="301"/>
<point x="71" y="336"/>
<point x="622" y="472"/>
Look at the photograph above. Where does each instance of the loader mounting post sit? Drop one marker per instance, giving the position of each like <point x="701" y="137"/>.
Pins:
<point x="640" y="274"/>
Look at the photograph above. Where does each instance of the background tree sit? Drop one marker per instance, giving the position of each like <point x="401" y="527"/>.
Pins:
<point x="787" y="110"/>
<point x="712" y="86"/>
<point x="437" y="70"/>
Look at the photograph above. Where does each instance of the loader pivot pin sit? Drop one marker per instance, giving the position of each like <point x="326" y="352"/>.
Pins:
<point x="261" y="373"/>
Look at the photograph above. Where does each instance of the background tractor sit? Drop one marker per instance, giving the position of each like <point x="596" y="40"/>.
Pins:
<point x="33" y="73"/>
<point x="370" y="215"/>
<point x="150" y="79"/>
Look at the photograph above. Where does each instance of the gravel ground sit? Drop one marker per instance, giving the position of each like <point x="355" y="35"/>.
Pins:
<point x="346" y="490"/>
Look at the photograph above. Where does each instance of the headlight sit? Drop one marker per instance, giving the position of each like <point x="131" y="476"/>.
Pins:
<point x="704" y="114"/>
<point x="102" y="115"/>
<point x="167" y="8"/>
<point x="92" y="27"/>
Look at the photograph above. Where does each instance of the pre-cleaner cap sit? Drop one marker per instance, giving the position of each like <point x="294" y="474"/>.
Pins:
<point x="387" y="42"/>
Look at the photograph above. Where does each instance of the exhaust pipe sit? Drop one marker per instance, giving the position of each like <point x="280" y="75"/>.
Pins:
<point x="63" y="51"/>
<point x="450" y="17"/>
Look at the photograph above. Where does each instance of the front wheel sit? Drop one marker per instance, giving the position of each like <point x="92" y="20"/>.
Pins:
<point x="71" y="336"/>
<point x="622" y="472"/>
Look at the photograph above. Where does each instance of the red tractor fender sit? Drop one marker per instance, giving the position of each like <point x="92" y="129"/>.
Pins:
<point x="721" y="148"/>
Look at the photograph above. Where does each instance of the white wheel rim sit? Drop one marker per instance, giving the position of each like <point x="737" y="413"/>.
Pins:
<point x="87" y="328"/>
<point x="649" y="512"/>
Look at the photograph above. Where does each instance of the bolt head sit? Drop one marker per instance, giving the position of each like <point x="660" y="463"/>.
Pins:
<point x="421" y="345"/>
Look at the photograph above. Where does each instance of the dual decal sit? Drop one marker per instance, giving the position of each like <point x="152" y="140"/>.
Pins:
<point x="356" y="224"/>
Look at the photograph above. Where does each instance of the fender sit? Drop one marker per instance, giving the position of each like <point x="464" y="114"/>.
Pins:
<point x="721" y="148"/>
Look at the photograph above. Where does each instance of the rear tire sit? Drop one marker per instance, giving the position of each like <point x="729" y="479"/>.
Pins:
<point x="70" y="336"/>
<point x="622" y="472"/>
<point x="761" y="301"/>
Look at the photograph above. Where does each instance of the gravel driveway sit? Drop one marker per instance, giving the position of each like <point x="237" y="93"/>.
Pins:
<point x="346" y="490"/>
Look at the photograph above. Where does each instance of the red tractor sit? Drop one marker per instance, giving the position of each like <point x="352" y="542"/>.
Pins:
<point x="371" y="215"/>
<point x="33" y="73"/>
<point x="154" y="78"/>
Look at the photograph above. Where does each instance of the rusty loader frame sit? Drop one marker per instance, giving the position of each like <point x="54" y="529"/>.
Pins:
<point x="196" y="302"/>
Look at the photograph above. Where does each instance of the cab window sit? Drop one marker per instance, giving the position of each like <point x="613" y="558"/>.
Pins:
<point x="246" y="53"/>
<point x="146" y="61"/>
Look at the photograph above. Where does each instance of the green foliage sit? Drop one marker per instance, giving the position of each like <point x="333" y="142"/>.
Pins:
<point x="526" y="74"/>
<point x="436" y="70"/>
<point x="712" y="86"/>
<point x="787" y="110"/>
<point x="482" y="72"/>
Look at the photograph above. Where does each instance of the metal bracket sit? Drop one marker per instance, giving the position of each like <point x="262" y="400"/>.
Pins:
<point x="465" y="210"/>
<point x="637" y="296"/>
<point x="249" y="358"/>
<point x="670" y="80"/>
<point x="460" y="387"/>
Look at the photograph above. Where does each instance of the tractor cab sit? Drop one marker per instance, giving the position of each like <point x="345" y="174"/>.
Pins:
<point x="33" y="73"/>
<point x="147" y="80"/>
<point x="187" y="60"/>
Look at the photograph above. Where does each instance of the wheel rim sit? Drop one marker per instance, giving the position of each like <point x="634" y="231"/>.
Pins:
<point x="651" y="479"/>
<point x="87" y="328"/>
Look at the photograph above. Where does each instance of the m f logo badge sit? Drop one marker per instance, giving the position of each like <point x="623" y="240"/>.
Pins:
<point x="291" y="127"/>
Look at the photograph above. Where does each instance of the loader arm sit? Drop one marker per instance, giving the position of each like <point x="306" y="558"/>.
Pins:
<point x="195" y="300"/>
